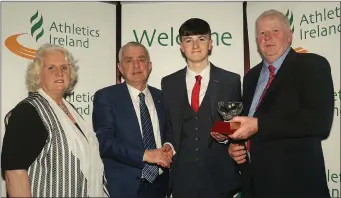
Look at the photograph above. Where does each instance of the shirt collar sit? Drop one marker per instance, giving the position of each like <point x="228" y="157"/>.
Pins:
<point x="134" y="93"/>
<point x="204" y="73"/>
<point x="277" y="64"/>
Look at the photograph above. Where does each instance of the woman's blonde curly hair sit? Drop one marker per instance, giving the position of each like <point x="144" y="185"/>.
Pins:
<point x="34" y="67"/>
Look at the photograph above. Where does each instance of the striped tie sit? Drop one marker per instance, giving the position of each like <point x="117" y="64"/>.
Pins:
<point x="271" y="77"/>
<point x="149" y="172"/>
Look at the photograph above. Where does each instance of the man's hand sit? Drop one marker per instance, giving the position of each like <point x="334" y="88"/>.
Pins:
<point x="248" y="127"/>
<point x="219" y="137"/>
<point x="237" y="152"/>
<point x="157" y="156"/>
<point x="168" y="150"/>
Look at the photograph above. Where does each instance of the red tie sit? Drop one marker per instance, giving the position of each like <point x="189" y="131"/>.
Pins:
<point x="195" y="93"/>
<point x="271" y="77"/>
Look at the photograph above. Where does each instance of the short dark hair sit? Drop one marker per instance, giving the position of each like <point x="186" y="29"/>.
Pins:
<point x="194" y="26"/>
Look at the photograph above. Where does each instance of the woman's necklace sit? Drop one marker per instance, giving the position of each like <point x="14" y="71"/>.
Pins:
<point x="63" y="107"/>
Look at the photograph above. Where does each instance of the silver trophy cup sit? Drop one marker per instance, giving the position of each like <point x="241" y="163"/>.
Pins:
<point x="229" y="110"/>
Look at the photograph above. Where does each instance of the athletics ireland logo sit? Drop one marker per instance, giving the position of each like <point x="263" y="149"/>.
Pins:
<point x="291" y="20"/>
<point x="290" y="17"/>
<point x="36" y="26"/>
<point x="37" y="31"/>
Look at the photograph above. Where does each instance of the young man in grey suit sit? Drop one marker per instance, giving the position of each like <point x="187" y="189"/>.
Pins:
<point x="201" y="165"/>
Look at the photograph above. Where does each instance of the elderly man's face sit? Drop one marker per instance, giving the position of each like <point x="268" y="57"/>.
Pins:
<point x="55" y="73"/>
<point x="273" y="38"/>
<point x="135" y="66"/>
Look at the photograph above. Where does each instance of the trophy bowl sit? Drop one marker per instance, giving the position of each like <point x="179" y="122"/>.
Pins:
<point x="227" y="111"/>
<point x="230" y="109"/>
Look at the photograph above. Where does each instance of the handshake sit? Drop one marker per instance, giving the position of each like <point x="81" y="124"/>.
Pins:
<point x="162" y="156"/>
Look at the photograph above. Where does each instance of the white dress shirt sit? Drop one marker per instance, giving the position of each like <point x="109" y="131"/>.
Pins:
<point x="190" y="82"/>
<point x="134" y="94"/>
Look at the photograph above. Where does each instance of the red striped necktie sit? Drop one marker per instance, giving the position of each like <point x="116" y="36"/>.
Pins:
<point x="271" y="77"/>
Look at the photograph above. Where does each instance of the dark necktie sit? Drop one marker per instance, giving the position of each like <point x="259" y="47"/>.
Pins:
<point x="271" y="77"/>
<point x="149" y="172"/>
<point x="195" y="93"/>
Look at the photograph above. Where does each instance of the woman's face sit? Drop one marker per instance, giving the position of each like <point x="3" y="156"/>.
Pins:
<point x="55" y="74"/>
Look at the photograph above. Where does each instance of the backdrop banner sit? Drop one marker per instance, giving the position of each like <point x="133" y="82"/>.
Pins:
<point x="89" y="37"/>
<point x="316" y="29"/>
<point x="159" y="32"/>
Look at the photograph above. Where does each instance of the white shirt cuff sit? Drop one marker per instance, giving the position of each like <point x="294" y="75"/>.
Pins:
<point x="224" y="142"/>
<point x="171" y="147"/>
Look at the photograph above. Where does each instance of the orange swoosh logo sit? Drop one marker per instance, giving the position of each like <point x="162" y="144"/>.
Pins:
<point x="300" y="50"/>
<point x="14" y="46"/>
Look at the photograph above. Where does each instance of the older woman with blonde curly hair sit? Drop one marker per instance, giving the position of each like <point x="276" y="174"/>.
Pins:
<point x="48" y="149"/>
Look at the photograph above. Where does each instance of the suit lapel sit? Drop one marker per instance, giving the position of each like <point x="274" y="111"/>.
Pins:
<point x="128" y="109"/>
<point x="160" y="113"/>
<point x="212" y="91"/>
<point x="280" y="76"/>
<point x="180" y="90"/>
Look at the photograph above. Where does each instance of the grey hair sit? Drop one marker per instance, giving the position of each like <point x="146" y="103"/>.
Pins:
<point x="135" y="44"/>
<point x="34" y="67"/>
<point x="273" y="13"/>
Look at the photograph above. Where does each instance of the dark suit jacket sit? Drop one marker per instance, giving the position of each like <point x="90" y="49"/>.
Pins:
<point x="294" y="116"/>
<point x="121" y="146"/>
<point x="223" y="86"/>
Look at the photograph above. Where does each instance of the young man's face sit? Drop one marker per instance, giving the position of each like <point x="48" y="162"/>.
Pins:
<point x="196" y="47"/>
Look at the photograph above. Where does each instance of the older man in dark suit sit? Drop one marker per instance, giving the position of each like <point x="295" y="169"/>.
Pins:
<point x="130" y="122"/>
<point x="289" y="99"/>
